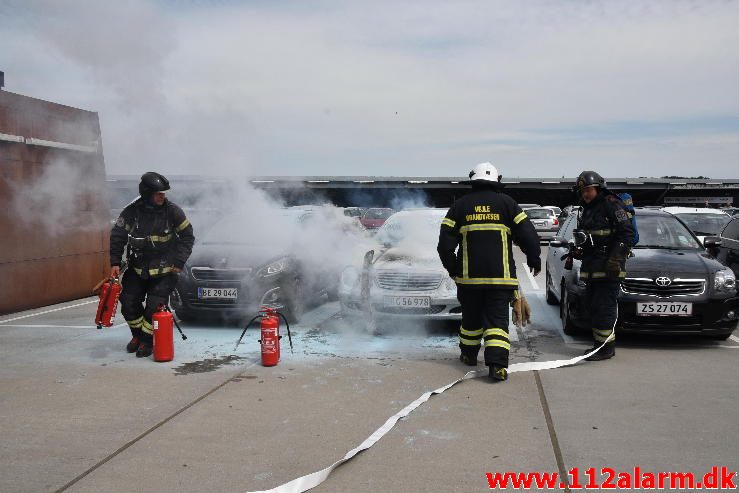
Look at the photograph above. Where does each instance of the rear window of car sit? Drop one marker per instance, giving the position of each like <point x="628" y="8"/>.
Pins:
<point x="378" y="214"/>
<point x="539" y="213"/>
<point x="705" y="224"/>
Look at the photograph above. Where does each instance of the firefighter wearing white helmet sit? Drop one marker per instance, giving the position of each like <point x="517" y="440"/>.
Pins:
<point x="476" y="248"/>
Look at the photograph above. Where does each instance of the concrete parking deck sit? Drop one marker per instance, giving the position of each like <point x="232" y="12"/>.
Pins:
<point x="80" y="415"/>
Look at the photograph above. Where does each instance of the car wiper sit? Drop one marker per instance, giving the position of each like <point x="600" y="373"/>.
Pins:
<point x="661" y="247"/>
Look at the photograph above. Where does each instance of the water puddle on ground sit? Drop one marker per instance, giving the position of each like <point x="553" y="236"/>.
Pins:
<point x="206" y="365"/>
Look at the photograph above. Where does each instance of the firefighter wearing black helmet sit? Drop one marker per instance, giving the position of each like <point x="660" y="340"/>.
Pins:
<point x="604" y="237"/>
<point x="158" y="240"/>
<point x="475" y="247"/>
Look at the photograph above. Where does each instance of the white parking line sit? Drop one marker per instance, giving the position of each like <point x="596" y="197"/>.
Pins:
<point x="48" y="311"/>
<point x="55" y="326"/>
<point x="555" y="322"/>
<point x="534" y="284"/>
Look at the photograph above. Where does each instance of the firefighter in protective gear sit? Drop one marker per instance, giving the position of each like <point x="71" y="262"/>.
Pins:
<point x="159" y="240"/>
<point x="475" y="247"/>
<point x="605" y="235"/>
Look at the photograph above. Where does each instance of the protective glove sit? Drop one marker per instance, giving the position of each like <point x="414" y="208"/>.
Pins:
<point x="577" y="253"/>
<point x="613" y="268"/>
<point x="521" y="310"/>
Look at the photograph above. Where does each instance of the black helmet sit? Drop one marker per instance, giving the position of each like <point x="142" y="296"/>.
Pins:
<point x="152" y="182"/>
<point x="589" y="179"/>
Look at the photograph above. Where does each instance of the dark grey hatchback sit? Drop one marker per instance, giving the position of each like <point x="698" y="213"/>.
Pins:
<point x="673" y="285"/>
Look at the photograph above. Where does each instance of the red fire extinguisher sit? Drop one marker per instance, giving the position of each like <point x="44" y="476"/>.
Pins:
<point x="110" y="291"/>
<point x="162" y="323"/>
<point x="270" y="335"/>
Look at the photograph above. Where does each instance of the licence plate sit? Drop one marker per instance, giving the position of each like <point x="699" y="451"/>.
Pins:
<point x="218" y="293"/>
<point x="408" y="301"/>
<point x="664" y="309"/>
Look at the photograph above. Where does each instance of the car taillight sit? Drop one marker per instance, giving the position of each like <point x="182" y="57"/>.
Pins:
<point x="556" y="221"/>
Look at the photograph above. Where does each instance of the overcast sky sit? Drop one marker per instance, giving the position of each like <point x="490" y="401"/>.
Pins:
<point x="419" y="88"/>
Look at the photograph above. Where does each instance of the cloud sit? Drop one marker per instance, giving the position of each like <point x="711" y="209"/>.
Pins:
<point x="386" y="88"/>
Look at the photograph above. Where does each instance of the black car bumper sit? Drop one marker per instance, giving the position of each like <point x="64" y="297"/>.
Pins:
<point x="710" y="317"/>
<point x="251" y="295"/>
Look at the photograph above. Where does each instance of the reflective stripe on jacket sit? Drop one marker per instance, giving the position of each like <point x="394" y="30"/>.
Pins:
<point x="476" y="238"/>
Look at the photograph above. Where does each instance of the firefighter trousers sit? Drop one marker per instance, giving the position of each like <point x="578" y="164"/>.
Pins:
<point x="136" y="291"/>
<point x="485" y="318"/>
<point x="601" y="298"/>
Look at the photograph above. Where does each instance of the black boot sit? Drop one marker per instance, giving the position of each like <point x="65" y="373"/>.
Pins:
<point x="468" y="360"/>
<point x="498" y="373"/>
<point x="606" y="352"/>
<point x="146" y="347"/>
<point x="133" y="344"/>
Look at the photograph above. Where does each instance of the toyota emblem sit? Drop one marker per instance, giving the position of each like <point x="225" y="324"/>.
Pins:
<point x="663" y="282"/>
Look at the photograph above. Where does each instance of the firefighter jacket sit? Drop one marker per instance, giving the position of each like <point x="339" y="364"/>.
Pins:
<point x="609" y="234"/>
<point x="158" y="238"/>
<point x="475" y="241"/>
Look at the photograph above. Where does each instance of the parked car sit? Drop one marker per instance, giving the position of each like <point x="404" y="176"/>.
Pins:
<point x="375" y="217"/>
<point x="357" y="212"/>
<point x="545" y="222"/>
<point x="557" y="210"/>
<point x="672" y="286"/>
<point x="528" y="206"/>
<point x="407" y="278"/>
<point x="702" y="221"/>
<point x="726" y="247"/>
<point x="234" y="277"/>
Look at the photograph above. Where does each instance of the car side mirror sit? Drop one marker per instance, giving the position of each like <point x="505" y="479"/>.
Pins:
<point x="558" y="242"/>
<point x="712" y="241"/>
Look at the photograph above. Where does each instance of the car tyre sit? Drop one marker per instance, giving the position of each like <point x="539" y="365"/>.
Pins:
<point x="551" y="297"/>
<point x="568" y="326"/>
<point x="184" y="315"/>
<point x="720" y="337"/>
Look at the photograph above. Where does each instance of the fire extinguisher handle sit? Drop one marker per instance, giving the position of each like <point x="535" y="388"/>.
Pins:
<point x="289" y="336"/>
<point x="246" y="327"/>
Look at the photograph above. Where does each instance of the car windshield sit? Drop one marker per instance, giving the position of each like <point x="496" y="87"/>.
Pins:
<point x="664" y="232"/>
<point x="539" y="213"/>
<point x="411" y="227"/>
<point x="705" y="224"/>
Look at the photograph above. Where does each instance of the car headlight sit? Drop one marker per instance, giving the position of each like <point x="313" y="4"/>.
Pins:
<point x="273" y="268"/>
<point x="350" y="277"/>
<point x="724" y="280"/>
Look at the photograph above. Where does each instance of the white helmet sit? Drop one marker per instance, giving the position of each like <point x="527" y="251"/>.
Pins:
<point x="485" y="172"/>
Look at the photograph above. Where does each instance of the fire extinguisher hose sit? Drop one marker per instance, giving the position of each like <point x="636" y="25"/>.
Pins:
<point x="184" y="337"/>
<point x="246" y="327"/>
<point x="289" y="336"/>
